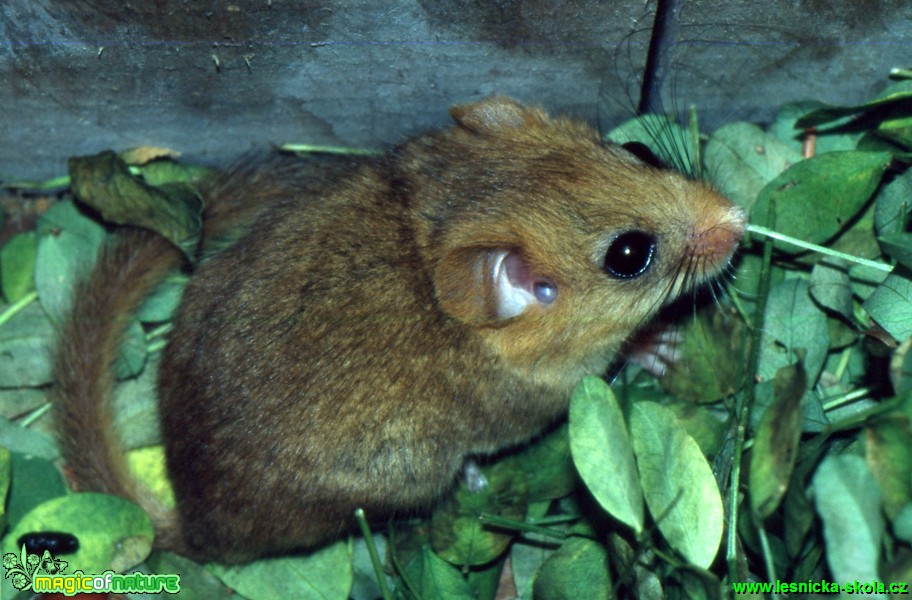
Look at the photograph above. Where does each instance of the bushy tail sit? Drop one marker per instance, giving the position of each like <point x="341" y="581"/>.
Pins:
<point x="128" y="269"/>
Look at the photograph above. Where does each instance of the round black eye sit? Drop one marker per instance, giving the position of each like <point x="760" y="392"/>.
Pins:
<point x="630" y="254"/>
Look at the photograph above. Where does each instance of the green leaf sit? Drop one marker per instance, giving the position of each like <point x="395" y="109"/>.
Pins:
<point x="457" y="533"/>
<point x="792" y="323"/>
<point x="436" y="579"/>
<point x="5" y="476"/>
<point x="546" y="465"/>
<point x="648" y="585"/>
<point x="826" y="141"/>
<point x="799" y="515"/>
<point x="603" y="453"/>
<point x="891" y="305"/>
<point x="848" y="501"/>
<point x="364" y="578"/>
<point x="665" y="137"/>
<point x="775" y="446"/>
<point x="35" y="480"/>
<point x="893" y="205"/>
<point x="579" y="569"/>
<point x="105" y="183"/>
<point x="163" y="301"/>
<point x="895" y="93"/>
<point x="889" y="456"/>
<point x="485" y="579"/>
<point x="18" y="401"/>
<point x="68" y="244"/>
<point x="25" y="348"/>
<point x="783" y="127"/>
<point x="323" y="575"/>
<point x="704" y="424"/>
<point x="163" y="171"/>
<point x="17" y="266"/>
<point x="711" y="365"/>
<point x="113" y="533"/>
<point x="814" y="420"/>
<point x="526" y="559"/>
<point x="747" y="279"/>
<point x="147" y="466"/>
<point x="697" y="584"/>
<point x="831" y="287"/>
<point x="814" y="199"/>
<point x="898" y="246"/>
<point x="136" y="409"/>
<point x="743" y="159"/>
<point x="132" y="357"/>
<point x="678" y="484"/>
<point x="28" y="440"/>
<point x="896" y="126"/>
<point x="196" y="582"/>
<point x="902" y="370"/>
<point x="902" y="526"/>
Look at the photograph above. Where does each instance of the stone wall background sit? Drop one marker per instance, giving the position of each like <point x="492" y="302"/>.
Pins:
<point x="214" y="78"/>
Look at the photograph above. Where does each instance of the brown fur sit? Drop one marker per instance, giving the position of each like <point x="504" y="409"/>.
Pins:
<point x="345" y="352"/>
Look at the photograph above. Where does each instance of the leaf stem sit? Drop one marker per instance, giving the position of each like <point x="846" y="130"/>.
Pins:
<point x="35" y="415"/>
<point x="317" y="149"/>
<point x="746" y="400"/>
<point x="693" y="125"/>
<point x="843" y="399"/>
<point x="397" y="566"/>
<point x="843" y="364"/>
<point x="14" y="308"/>
<point x="767" y="556"/>
<point x="739" y="306"/>
<point x="372" y="550"/>
<point x="760" y="230"/>
<point x="156" y="340"/>
<point x="49" y="184"/>
<point x="515" y="525"/>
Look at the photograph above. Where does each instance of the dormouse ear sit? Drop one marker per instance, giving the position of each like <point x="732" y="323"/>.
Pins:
<point x="487" y="286"/>
<point x="494" y="114"/>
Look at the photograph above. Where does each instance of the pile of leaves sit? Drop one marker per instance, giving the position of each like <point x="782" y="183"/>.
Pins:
<point x="776" y="449"/>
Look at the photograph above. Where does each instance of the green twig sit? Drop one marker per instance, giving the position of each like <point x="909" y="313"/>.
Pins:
<point x="694" y="127"/>
<point x="821" y="249"/>
<point x="767" y="556"/>
<point x="42" y="186"/>
<point x="843" y="364"/>
<point x="746" y="400"/>
<point x="843" y="399"/>
<point x="397" y="566"/>
<point x="739" y="306"/>
<point x="374" y="555"/>
<point x="316" y="149"/>
<point x="14" y="308"/>
<point x="35" y="415"/>
<point x="156" y="339"/>
<point x="515" y="525"/>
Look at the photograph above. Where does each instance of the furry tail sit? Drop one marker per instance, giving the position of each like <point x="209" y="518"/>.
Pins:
<point x="128" y="269"/>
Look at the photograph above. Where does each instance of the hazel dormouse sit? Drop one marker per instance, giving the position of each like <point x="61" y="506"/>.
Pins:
<point x="373" y="329"/>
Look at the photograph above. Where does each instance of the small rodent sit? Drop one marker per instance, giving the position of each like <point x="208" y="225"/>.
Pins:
<point x="369" y="333"/>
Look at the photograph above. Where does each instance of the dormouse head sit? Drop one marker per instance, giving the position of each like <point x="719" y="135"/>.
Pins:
<point x="551" y="244"/>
